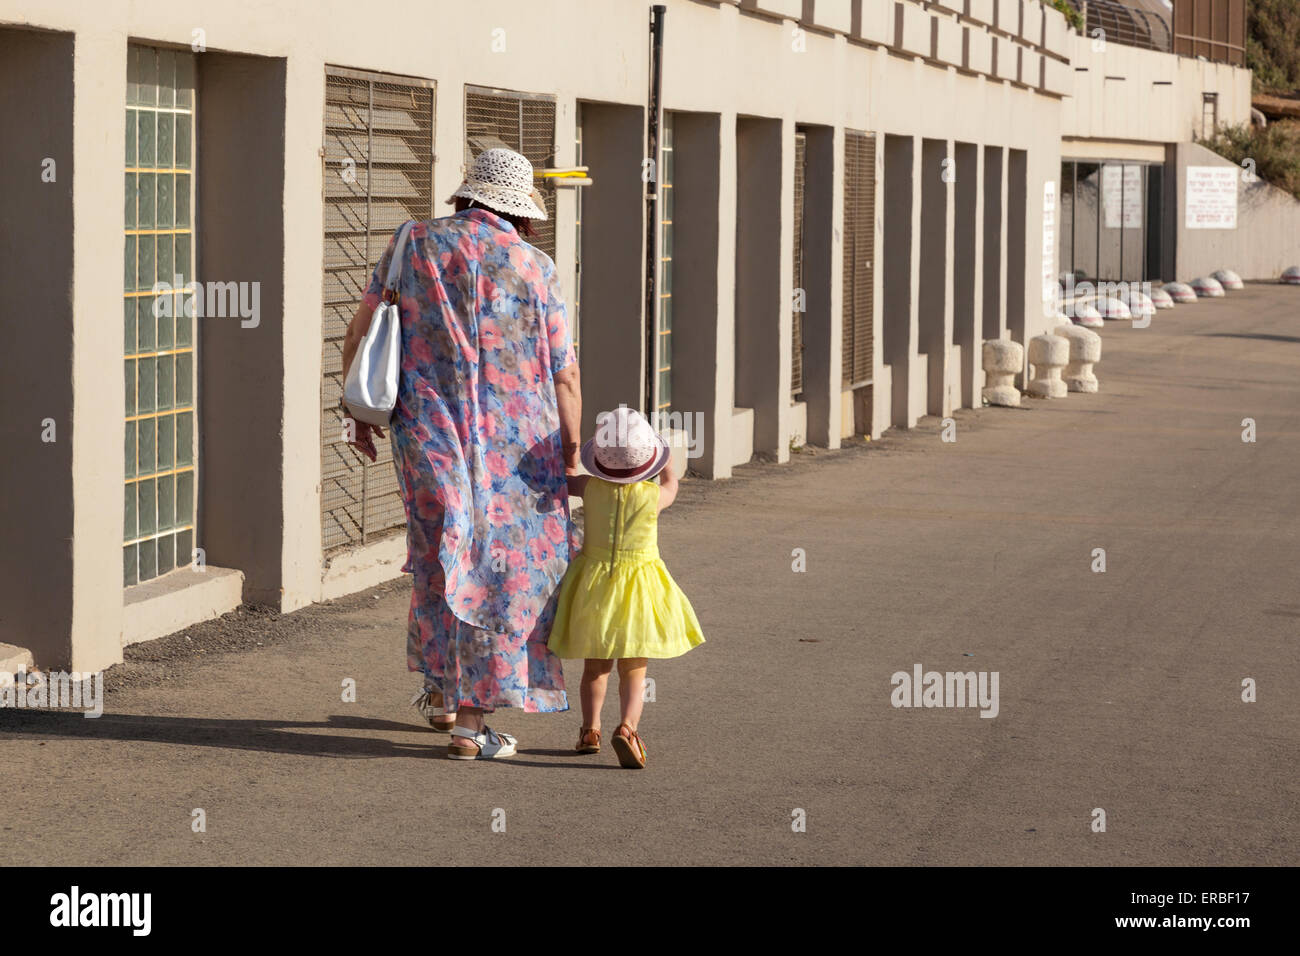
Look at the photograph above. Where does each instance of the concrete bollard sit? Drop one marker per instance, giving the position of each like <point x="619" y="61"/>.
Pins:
<point x="1207" y="287"/>
<point x="1048" y="355"/>
<point x="1113" y="308"/>
<point x="1229" y="280"/>
<point x="1291" y="276"/>
<point x="1003" y="360"/>
<point x="1085" y="352"/>
<point x="1140" y="305"/>
<point x="1180" y="292"/>
<point x="1161" y="299"/>
<point x="1086" y="314"/>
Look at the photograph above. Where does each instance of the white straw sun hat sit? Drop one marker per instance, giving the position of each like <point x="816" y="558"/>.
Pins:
<point x="502" y="180"/>
<point x="626" y="448"/>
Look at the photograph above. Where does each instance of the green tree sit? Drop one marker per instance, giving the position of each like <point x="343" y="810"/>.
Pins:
<point x="1072" y="16"/>
<point x="1275" y="151"/>
<point x="1273" y="43"/>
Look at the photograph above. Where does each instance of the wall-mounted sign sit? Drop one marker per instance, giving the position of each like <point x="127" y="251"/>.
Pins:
<point x="1121" y="189"/>
<point x="1211" y="197"/>
<point x="1050" y="289"/>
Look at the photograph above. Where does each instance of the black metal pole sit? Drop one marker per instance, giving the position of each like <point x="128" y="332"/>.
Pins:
<point x="654" y="114"/>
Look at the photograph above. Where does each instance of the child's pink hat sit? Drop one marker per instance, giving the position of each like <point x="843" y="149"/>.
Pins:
<point x="625" y="449"/>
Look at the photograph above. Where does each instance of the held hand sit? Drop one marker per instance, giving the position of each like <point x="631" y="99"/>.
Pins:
<point x="365" y="434"/>
<point x="572" y="463"/>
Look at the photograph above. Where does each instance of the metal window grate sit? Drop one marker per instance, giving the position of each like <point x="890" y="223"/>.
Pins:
<point x="378" y="174"/>
<point x="161" y="449"/>
<point x="1139" y="23"/>
<point x="524" y="122"/>
<point x="1214" y="29"/>
<point x="800" y="300"/>
<point x="859" y="254"/>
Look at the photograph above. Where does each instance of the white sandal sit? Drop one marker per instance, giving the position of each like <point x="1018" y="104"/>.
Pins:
<point x="423" y="702"/>
<point x="487" y="744"/>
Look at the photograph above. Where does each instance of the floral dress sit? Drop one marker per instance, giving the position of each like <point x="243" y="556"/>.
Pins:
<point x="476" y="443"/>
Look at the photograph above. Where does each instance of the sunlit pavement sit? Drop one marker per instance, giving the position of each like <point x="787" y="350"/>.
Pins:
<point x="1119" y="691"/>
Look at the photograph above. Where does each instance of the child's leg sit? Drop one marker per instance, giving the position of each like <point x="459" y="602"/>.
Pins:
<point x="631" y="689"/>
<point x="595" y="675"/>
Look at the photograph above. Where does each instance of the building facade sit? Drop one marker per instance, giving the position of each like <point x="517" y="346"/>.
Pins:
<point x="853" y="196"/>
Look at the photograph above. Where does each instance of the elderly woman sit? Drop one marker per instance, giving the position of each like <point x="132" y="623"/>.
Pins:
<point x="485" y="430"/>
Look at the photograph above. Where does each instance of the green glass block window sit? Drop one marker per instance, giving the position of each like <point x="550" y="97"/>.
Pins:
<point x="664" y="400"/>
<point x="161" y="442"/>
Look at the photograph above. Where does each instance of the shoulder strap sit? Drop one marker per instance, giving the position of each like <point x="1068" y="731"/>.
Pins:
<point x="395" y="265"/>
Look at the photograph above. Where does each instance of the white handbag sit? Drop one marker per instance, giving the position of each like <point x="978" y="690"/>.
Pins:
<point x="370" y="391"/>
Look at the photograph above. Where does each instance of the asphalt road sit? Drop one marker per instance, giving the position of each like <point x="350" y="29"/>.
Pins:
<point x="1119" y="690"/>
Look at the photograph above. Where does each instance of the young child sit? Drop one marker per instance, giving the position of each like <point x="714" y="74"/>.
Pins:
<point x="617" y="601"/>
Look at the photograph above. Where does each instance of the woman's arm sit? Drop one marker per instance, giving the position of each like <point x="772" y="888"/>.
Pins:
<point x="568" y="396"/>
<point x="357" y="329"/>
<point x="667" y="486"/>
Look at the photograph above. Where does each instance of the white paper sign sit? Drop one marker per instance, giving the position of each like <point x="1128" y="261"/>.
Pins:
<point x="1122" y="190"/>
<point x="1049" y="242"/>
<point x="1211" y="197"/>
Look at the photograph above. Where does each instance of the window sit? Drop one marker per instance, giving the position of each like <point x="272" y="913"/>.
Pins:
<point x="664" y="403"/>
<point x="378" y="174"/>
<point x="800" y="290"/>
<point x="859" y="251"/>
<point x="161" y="440"/>
<point x="524" y="122"/>
<point x="1111" y="220"/>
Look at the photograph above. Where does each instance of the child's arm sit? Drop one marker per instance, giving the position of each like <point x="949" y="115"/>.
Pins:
<point x="667" y="486"/>
<point x="577" y="484"/>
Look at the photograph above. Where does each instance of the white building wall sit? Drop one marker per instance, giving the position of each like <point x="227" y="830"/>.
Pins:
<point x="1123" y="93"/>
<point x="994" y="76"/>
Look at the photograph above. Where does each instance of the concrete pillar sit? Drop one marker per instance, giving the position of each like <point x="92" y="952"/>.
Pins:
<point x="99" y="427"/>
<point x="291" y="90"/>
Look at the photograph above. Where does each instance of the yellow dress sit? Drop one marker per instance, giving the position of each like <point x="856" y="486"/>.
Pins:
<point x="618" y="599"/>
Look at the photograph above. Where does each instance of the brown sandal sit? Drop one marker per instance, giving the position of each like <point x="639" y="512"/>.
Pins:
<point x="629" y="747"/>
<point x="588" y="740"/>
